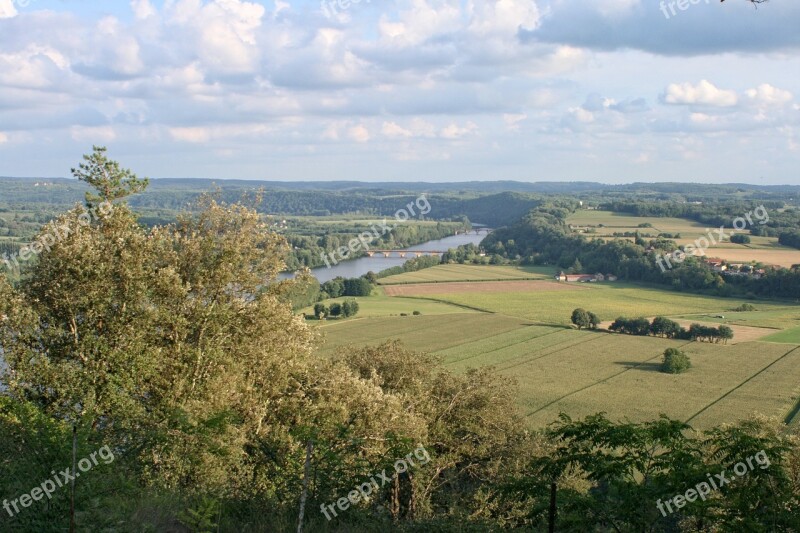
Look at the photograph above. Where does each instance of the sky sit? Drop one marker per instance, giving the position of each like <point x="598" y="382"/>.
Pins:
<point x="615" y="91"/>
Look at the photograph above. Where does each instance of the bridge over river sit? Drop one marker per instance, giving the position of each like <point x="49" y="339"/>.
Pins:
<point x="403" y="253"/>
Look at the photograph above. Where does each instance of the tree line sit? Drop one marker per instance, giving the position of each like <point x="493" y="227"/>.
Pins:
<point x="543" y="237"/>
<point x="664" y="327"/>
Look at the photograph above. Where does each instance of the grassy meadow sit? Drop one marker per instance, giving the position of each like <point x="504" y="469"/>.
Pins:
<point x="455" y="272"/>
<point x="607" y="300"/>
<point x="761" y="249"/>
<point x="526" y="335"/>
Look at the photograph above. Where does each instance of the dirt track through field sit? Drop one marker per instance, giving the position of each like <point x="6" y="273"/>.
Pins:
<point x="456" y="287"/>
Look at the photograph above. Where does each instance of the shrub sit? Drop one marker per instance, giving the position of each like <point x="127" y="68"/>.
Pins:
<point x="320" y="310"/>
<point x="416" y="313"/>
<point x="580" y="317"/>
<point x="675" y="362"/>
<point x="350" y="307"/>
<point x="336" y="309"/>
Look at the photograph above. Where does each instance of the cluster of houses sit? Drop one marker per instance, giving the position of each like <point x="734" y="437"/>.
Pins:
<point x="734" y="269"/>
<point x="585" y="278"/>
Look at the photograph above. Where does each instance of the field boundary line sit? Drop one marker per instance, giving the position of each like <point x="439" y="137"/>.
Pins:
<point x="542" y="356"/>
<point x="454" y="304"/>
<point x="742" y="384"/>
<point x="793" y="417"/>
<point x="599" y="382"/>
<point x="432" y="282"/>
<point x="402" y="331"/>
<point x="500" y="348"/>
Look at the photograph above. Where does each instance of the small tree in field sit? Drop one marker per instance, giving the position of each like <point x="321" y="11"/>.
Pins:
<point x="725" y="334"/>
<point x="594" y="320"/>
<point x="320" y="310"/>
<point x="349" y="307"/>
<point x="675" y="362"/>
<point x="581" y="318"/>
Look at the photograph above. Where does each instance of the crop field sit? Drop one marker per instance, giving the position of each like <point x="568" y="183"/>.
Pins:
<point x="435" y="290"/>
<point x="774" y="317"/>
<point x="455" y="272"/>
<point x="762" y="249"/>
<point x="607" y="300"/>
<point x="385" y="306"/>
<point x="584" y="372"/>
<point x="420" y="333"/>
<point x="526" y="335"/>
<point x="789" y="336"/>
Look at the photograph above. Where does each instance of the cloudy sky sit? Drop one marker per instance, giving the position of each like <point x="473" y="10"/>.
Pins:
<point x="419" y="90"/>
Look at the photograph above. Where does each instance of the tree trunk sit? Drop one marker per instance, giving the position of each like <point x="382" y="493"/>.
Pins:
<point x="395" y="507"/>
<point x="552" y="518"/>
<point x="304" y="495"/>
<point x="72" y="481"/>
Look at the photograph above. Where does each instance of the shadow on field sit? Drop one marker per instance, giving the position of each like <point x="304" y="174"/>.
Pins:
<point x="647" y="367"/>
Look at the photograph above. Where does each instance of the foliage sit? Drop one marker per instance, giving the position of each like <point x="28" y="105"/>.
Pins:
<point x="613" y="476"/>
<point x="350" y="307"/>
<point x="675" y="361"/>
<point x="340" y="286"/>
<point x="631" y="326"/>
<point x="664" y="327"/>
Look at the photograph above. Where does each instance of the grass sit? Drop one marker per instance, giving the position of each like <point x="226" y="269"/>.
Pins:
<point x="559" y="369"/>
<point x="761" y="249"/>
<point x="445" y="273"/>
<point x="583" y="372"/>
<point x="779" y="317"/>
<point x="420" y="333"/>
<point x="789" y="336"/>
<point x="379" y="305"/>
<point x="607" y="300"/>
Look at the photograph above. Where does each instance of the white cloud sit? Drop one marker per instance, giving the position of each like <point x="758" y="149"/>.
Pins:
<point x="7" y="9"/>
<point x="142" y="9"/>
<point x="454" y="131"/>
<point x="512" y="120"/>
<point x="393" y="131"/>
<point x="416" y="128"/>
<point x="93" y="134"/>
<point x="223" y="32"/>
<point x="359" y="133"/>
<point x="704" y="93"/>
<point x="767" y="95"/>
<point x="191" y="135"/>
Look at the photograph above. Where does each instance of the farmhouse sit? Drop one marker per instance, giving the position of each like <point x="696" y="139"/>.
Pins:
<point x="584" y="278"/>
<point x="717" y="265"/>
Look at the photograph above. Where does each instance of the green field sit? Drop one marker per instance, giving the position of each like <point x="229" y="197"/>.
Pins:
<point x="579" y="372"/>
<point x="455" y="272"/>
<point x="379" y="305"/>
<point x="559" y="369"/>
<point x="779" y="317"/>
<point x="789" y="336"/>
<point x="604" y="224"/>
<point x="607" y="300"/>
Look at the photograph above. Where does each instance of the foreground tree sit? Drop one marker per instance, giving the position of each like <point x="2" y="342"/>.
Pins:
<point x="162" y="342"/>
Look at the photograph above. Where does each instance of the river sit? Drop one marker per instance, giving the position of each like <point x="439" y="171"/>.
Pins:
<point x="359" y="267"/>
